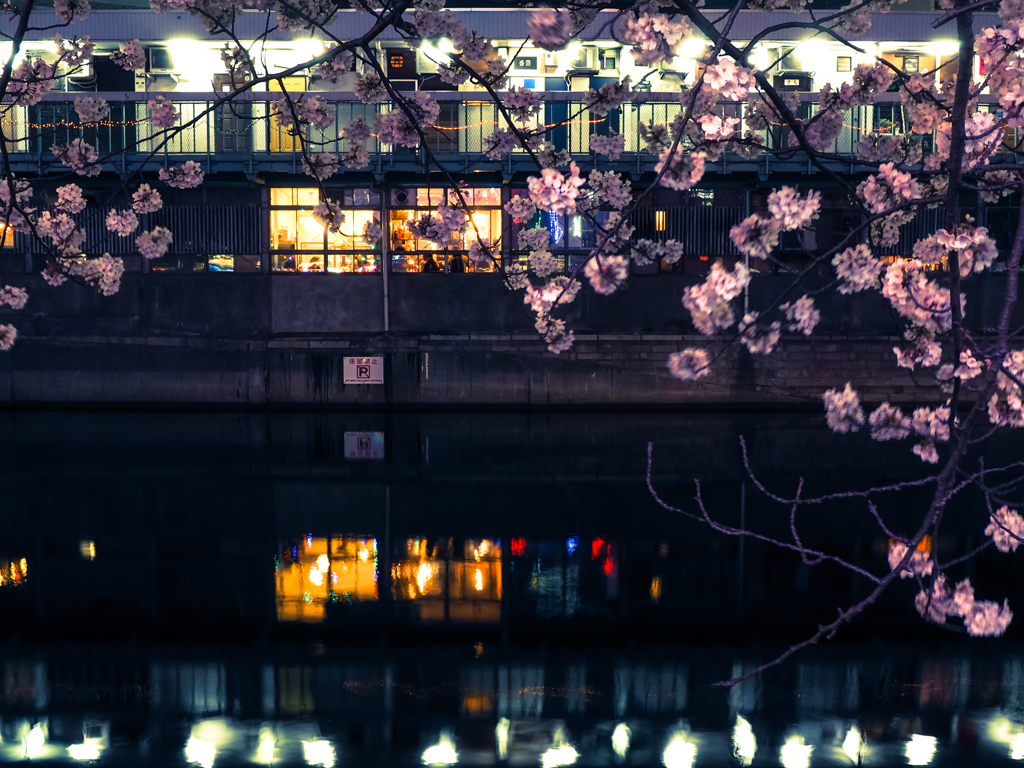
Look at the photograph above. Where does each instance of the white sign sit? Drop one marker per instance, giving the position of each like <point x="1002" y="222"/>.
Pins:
<point x="363" y="370"/>
<point x="364" y="445"/>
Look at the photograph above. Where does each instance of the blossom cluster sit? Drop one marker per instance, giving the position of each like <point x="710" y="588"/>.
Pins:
<point x="981" y="618"/>
<point x="709" y="303"/>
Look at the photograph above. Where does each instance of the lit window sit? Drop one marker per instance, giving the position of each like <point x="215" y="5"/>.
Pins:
<point x="302" y="244"/>
<point x="844" y="64"/>
<point x="410" y="253"/>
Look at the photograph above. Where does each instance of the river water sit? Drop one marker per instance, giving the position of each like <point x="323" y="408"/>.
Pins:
<point x="360" y="588"/>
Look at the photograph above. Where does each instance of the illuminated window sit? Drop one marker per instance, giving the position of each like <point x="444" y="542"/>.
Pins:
<point x="410" y="253"/>
<point x="301" y="244"/>
<point x="660" y="221"/>
<point x="844" y="64"/>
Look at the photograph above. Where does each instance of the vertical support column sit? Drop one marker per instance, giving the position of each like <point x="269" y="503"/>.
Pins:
<point x="265" y="230"/>
<point x="385" y="257"/>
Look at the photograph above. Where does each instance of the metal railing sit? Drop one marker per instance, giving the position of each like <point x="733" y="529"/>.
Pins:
<point x="245" y="130"/>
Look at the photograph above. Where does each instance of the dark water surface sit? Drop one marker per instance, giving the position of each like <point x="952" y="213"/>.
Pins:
<point x="356" y="588"/>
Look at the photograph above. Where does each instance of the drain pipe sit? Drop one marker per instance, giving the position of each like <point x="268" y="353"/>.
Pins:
<point x="746" y="257"/>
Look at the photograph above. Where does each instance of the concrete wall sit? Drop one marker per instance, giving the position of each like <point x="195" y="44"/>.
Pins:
<point x="255" y="340"/>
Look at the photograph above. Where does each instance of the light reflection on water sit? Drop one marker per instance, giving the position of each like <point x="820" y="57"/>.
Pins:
<point x="513" y="587"/>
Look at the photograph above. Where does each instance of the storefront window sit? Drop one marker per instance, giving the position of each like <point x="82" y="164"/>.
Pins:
<point x="413" y="254"/>
<point x="571" y="236"/>
<point x="301" y="244"/>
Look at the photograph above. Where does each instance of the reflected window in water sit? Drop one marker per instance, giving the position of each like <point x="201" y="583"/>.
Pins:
<point x="449" y="583"/>
<point x="316" y="571"/>
<point x="13" y="572"/>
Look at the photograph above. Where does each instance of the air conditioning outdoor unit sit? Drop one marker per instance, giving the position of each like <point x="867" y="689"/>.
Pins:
<point x="585" y="59"/>
<point x="160" y="62"/>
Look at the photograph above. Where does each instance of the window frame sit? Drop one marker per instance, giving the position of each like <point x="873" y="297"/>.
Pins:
<point x="325" y="254"/>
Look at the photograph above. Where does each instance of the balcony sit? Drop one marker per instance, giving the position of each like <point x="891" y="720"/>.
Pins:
<point x="244" y="137"/>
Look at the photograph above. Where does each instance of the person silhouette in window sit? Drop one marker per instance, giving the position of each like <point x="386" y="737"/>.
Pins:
<point x="430" y="265"/>
<point x="456" y="264"/>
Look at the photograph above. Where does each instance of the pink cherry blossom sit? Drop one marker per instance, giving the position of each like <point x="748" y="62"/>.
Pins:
<point x="185" y="176"/>
<point x="843" y="411"/>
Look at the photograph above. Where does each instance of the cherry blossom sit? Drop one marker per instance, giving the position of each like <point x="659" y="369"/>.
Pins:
<point x="554" y="192"/>
<point x="15" y="298"/>
<point x="718" y="128"/>
<point x="316" y="112"/>
<point x="759" y="340"/>
<point x="131" y="57"/>
<point x="920" y="563"/>
<point x="969" y="367"/>
<point x="543" y="264"/>
<point x="549" y="29"/>
<point x="8" y="335"/>
<point x="792" y="212"/>
<point x="146" y="200"/>
<point x="888" y="423"/>
<point x="843" y="410"/>
<point x="162" y="112"/>
<point x="340" y="62"/>
<point x="756" y="236"/>
<point x="612" y="145"/>
<point x="372" y="232"/>
<point x="369" y="88"/>
<point x="689" y="365"/>
<point x="69" y="199"/>
<point x="320" y="166"/>
<point x="601" y="101"/>
<point x="522" y="208"/>
<point x="655" y="38"/>
<point x="607" y="273"/>
<point x="802" y="315"/>
<point x="328" y="214"/>
<point x="30" y="81"/>
<point x="709" y="303"/>
<point x="1006" y="528"/>
<point x="154" y="244"/>
<point x="356" y="131"/>
<point x="71" y="10"/>
<point x="1006" y="406"/>
<point x="733" y="82"/>
<point x="123" y="223"/>
<point x="91" y="110"/>
<point x="522" y="103"/>
<point x="79" y="156"/>
<point x="858" y="270"/>
<point x="988" y="619"/>
<point x="611" y="188"/>
<point x="679" y="169"/>
<point x="185" y="176"/>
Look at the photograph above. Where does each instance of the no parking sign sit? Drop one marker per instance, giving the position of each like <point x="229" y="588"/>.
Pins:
<point x="363" y="370"/>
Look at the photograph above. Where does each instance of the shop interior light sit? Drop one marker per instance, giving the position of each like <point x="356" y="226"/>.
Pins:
<point x="679" y="753"/>
<point x="744" y="744"/>
<point x="692" y="48"/>
<point x="442" y="753"/>
<point x="200" y="751"/>
<point x="920" y="750"/>
<point x="795" y="754"/>
<point x="943" y="47"/>
<point x="318" y="752"/>
<point x="620" y="740"/>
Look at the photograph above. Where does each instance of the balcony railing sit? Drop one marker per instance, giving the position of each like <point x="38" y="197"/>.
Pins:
<point x="244" y="131"/>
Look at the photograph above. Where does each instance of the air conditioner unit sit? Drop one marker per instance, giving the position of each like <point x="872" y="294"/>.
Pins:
<point x="81" y="73"/>
<point x="160" y="62"/>
<point x="585" y="59"/>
